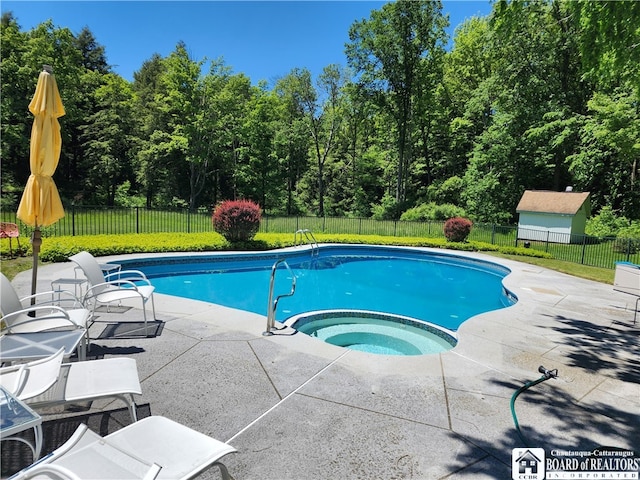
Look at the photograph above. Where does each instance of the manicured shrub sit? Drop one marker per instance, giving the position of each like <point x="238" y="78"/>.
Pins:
<point x="420" y="213"/>
<point x="457" y="229"/>
<point x="59" y="249"/>
<point x="237" y="220"/>
<point x="428" y="212"/>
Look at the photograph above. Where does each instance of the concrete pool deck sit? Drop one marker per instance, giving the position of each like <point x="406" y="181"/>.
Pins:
<point x="297" y="408"/>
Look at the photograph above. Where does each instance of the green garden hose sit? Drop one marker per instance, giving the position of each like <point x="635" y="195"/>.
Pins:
<point x="546" y="375"/>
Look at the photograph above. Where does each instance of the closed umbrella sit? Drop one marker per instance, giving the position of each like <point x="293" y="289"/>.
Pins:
<point x="40" y="205"/>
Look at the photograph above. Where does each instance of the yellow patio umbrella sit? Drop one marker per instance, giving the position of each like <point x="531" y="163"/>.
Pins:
<point x="40" y="205"/>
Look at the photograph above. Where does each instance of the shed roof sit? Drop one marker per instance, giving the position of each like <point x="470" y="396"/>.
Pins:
<point x="566" y="203"/>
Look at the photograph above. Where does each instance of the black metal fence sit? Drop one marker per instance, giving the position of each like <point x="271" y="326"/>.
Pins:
<point x="583" y="249"/>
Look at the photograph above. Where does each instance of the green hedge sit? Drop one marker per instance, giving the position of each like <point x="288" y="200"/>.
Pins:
<point x="59" y="249"/>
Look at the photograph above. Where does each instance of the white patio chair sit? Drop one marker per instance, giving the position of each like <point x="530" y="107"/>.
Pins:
<point x="48" y="382"/>
<point x="114" y="287"/>
<point x="18" y="316"/>
<point x="154" y="447"/>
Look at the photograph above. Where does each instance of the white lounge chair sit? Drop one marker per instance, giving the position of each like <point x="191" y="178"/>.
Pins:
<point x="154" y="447"/>
<point x="48" y="381"/>
<point x="114" y="287"/>
<point x="19" y="317"/>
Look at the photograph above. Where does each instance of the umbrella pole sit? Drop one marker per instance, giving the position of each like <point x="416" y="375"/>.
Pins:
<point x="36" y="241"/>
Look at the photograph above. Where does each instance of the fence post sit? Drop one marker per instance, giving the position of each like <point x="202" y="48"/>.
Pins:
<point x="493" y="234"/>
<point x="73" y="220"/>
<point x="137" y="219"/>
<point x="188" y="220"/>
<point x="584" y="247"/>
<point x="546" y="246"/>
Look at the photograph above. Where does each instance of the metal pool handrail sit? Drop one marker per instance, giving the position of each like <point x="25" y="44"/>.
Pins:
<point x="273" y="304"/>
<point x="307" y="235"/>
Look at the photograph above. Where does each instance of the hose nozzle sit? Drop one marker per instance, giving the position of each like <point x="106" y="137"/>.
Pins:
<point x="548" y="373"/>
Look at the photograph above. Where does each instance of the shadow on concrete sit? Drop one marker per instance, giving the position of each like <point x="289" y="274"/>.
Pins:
<point x="131" y="330"/>
<point x="606" y="350"/>
<point x="100" y="351"/>
<point x="574" y="427"/>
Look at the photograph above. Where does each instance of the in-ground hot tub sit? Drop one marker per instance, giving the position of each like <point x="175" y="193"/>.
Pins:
<point x="374" y="332"/>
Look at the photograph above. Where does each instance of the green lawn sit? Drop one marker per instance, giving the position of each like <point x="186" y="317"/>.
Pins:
<point x="598" y="274"/>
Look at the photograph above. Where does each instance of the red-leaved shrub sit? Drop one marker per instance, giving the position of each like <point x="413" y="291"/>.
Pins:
<point x="457" y="229"/>
<point x="237" y="220"/>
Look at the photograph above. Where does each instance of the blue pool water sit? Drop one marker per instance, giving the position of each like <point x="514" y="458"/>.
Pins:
<point x="440" y="288"/>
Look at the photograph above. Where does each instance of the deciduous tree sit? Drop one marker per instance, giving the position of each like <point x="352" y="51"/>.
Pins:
<point x="389" y="51"/>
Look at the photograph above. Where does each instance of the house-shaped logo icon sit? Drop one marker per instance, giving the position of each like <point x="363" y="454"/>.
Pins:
<point x="527" y="463"/>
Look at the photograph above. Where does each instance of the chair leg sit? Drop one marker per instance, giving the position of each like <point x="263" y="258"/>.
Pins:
<point x="91" y="305"/>
<point x="144" y="309"/>
<point x="132" y="409"/>
<point x="88" y="337"/>
<point x="223" y="471"/>
<point x="153" y="306"/>
<point x="144" y="314"/>
<point x="82" y="350"/>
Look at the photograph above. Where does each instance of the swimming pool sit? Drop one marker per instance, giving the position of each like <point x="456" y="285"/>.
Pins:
<point x="436" y="287"/>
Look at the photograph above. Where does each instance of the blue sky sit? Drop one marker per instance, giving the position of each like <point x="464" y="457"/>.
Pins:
<point x="262" y="39"/>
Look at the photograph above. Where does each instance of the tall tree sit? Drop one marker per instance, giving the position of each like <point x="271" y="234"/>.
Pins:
<point x="292" y="138"/>
<point x="15" y="124"/>
<point x="606" y="164"/>
<point x="259" y="172"/>
<point x="154" y="154"/>
<point x="323" y="113"/>
<point x="389" y="51"/>
<point x="22" y="59"/>
<point x="110" y="140"/>
<point x="187" y="101"/>
<point x="609" y="40"/>
<point x="93" y="54"/>
<point x="468" y="91"/>
<point x="230" y="104"/>
<point x="537" y="98"/>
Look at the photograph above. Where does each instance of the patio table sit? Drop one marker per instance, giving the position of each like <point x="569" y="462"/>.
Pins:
<point x="25" y="347"/>
<point x="16" y="417"/>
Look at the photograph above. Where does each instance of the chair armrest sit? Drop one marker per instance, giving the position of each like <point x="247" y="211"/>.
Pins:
<point x="115" y="283"/>
<point x="46" y="470"/>
<point x="12" y="378"/>
<point x="53" y="311"/>
<point x="77" y="303"/>
<point x="128" y="274"/>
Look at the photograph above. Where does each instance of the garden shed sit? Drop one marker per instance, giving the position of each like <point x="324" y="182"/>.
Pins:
<point x="558" y="217"/>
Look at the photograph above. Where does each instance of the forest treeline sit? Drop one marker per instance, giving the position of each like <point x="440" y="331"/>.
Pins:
<point x="537" y="95"/>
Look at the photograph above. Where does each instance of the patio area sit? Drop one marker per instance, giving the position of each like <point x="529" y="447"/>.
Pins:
<point x="297" y="408"/>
